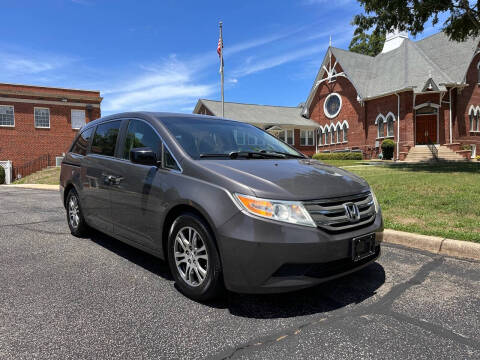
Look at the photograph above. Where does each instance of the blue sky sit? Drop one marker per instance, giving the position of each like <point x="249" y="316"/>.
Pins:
<point x="161" y="55"/>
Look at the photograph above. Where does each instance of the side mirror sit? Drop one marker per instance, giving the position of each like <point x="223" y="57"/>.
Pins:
<point x="144" y="156"/>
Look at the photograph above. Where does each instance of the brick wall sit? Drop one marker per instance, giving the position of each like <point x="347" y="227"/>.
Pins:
<point x="23" y="142"/>
<point x="466" y="97"/>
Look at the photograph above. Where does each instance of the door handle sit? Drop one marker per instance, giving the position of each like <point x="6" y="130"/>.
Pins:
<point x="112" y="179"/>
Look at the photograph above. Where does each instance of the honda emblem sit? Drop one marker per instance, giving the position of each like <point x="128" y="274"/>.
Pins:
<point x="352" y="212"/>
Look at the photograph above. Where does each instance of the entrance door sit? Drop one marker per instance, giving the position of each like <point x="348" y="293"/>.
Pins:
<point x="426" y="129"/>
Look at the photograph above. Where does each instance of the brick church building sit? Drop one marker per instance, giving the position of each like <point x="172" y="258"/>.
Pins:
<point x="414" y="92"/>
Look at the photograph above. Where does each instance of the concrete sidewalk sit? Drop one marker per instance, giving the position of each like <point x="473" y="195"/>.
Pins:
<point x="34" y="186"/>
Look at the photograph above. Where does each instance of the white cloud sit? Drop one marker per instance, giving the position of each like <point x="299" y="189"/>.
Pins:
<point x="16" y="65"/>
<point x="161" y="87"/>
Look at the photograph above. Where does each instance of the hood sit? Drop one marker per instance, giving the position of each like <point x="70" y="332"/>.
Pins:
<point x="292" y="179"/>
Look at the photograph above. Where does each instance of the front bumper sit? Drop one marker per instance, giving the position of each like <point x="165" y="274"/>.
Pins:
<point x="263" y="256"/>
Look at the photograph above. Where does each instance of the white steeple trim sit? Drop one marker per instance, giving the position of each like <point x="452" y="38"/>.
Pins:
<point x="393" y="40"/>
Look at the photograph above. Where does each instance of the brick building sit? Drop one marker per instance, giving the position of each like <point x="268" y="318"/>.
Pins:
<point x="38" y="121"/>
<point x="416" y="93"/>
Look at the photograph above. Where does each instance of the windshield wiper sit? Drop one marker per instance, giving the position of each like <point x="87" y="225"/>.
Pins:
<point x="282" y="153"/>
<point x="246" y="154"/>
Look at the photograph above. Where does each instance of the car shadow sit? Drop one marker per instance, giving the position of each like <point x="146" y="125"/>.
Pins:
<point x="332" y="295"/>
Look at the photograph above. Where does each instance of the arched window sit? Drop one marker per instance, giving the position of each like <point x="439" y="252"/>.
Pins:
<point x="380" y="122"/>
<point x="319" y="137"/>
<point x="334" y="135"/>
<point x="327" y="136"/>
<point x="390" y="127"/>
<point x="472" y="117"/>
<point x="339" y="134"/>
<point x="345" y="131"/>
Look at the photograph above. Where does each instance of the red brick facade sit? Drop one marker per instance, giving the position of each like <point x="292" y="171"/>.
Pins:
<point x="361" y="116"/>
<point x="24" y="142"/>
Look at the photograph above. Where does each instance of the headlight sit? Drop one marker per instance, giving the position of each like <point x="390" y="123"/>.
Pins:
<point x="287" y="211"/>
<point x="375" y="202"/>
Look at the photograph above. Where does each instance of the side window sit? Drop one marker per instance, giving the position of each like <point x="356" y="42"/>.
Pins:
<point x="140" y="134"/>
<point x="105" y="138"/>
<point x="168" y="160"/>
<point x="81" y="145"/>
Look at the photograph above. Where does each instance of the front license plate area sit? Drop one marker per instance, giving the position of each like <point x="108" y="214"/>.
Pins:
<point x="363" y="246"/>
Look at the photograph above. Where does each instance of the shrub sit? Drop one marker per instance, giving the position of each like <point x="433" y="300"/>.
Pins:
<point x="477" y="157"/>
<point x="466" y="147"/>
<point x="2" y="175"/>
<point x="339" y="156"/>
<point x="388" y="145"/>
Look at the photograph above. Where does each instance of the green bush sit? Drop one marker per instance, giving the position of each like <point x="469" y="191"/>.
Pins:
<point x="2" y="175"/>
<point x="339" y="156"/>
<point x="477" y="157"/>
<point x="466" y="147"/>
<point x="388" y="145"/>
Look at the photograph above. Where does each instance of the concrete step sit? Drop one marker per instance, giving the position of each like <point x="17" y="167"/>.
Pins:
<point x="423" y="154"/>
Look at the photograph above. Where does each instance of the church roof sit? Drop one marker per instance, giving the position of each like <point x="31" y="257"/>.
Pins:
<point x="259" y="115"/>
<point x="434" y="59"/>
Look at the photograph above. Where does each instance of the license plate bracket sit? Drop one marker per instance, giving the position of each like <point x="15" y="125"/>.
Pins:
<point x="363" y="246"/>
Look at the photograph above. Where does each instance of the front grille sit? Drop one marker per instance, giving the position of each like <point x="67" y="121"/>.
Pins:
<point x="331" y="215"/>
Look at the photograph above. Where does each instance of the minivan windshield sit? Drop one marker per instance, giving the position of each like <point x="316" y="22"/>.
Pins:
<point x="216" y="139"/>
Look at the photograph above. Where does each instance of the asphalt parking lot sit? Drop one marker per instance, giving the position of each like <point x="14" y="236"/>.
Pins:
<point x="67" y="298"/>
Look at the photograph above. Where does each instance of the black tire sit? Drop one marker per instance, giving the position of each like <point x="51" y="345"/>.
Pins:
<point x="212" y="284"/>
<point x="79" y="227"/>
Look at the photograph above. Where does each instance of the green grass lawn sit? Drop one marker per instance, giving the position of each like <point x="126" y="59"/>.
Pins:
<point x="50" y="176"/>
<point x="438" y="199"/>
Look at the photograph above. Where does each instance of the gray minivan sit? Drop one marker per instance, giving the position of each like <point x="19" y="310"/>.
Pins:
<point x="224" y="202"/>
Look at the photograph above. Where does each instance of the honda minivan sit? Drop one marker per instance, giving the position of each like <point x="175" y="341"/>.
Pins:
<point x="225" y="203"/>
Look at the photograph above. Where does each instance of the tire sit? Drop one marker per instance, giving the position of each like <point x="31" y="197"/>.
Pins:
<point x="196" y="266"/>
<point x="75" y="219"/>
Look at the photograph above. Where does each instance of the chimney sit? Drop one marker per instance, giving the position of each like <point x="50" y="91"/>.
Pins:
<point x="393" y="40"/>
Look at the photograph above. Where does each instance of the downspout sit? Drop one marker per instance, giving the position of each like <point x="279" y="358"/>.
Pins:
<point x="450" y="113"/>
<point x="398" y="126"/>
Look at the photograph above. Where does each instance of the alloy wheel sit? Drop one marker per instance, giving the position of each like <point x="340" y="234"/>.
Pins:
<point x="191" y="256"/>
<point x="73" y="212"/>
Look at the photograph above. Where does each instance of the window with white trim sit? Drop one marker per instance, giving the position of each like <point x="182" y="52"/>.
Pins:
<point x="327" y="137"/>
<point x="287" y="136"/>
<point x="78" y="118"/>
<point x="7" y="116"/>
<point x="477" y="118"/>
<point x="42" y="117"/>
<point x="390" y="126"/>
<point x="345" y="133"/>
<point x="334" y="136"/>
<point x="339" y="134"/>
<point x="380" y="122"/>
<point x="306" y="137"/>
<point x="320" y="137"/>
<point x="473" y="119"/>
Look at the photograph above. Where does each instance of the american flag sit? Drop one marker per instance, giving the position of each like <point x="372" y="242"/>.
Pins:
<point x="219" y="47"/>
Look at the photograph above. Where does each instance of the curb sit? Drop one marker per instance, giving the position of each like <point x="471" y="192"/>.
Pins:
<point x="434" y="244"/>
<point x="35" y="186"/>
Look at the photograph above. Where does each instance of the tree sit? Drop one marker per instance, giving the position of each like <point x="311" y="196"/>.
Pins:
<point x="367" y="44"/>
<point x="463" y="16"/>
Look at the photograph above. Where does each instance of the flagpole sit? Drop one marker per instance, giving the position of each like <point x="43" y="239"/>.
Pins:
<point x="221" y="66"/>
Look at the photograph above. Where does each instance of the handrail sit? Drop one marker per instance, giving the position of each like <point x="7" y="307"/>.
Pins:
<point x="32" y="166"/>
<point x="433" y="149"/>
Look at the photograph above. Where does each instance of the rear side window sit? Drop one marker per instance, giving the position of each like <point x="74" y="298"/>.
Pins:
<point x="105" y="138"/>
<point x="140" y="134"/>
<point x="81" y="145"/>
